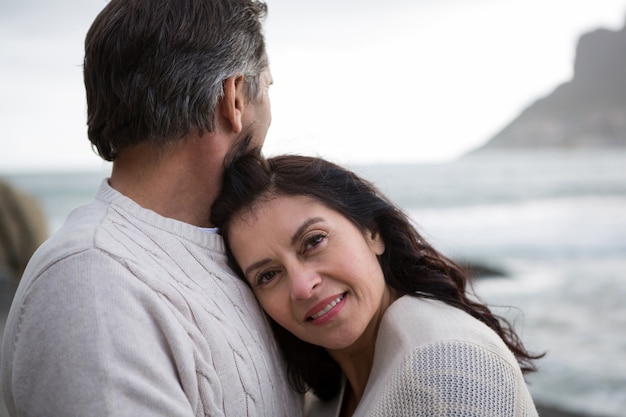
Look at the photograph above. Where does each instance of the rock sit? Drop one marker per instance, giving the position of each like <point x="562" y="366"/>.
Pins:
<point x="23" y="227"/>
<point x="481" y="270"/>
<point x="587" y="112"/>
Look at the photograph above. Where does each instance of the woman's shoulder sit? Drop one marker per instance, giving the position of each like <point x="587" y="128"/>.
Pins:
<point x="430" y="355"/>
<point x="413" y="322"/>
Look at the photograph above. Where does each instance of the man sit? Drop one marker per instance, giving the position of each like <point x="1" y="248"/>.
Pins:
<point x="130" y="308"/>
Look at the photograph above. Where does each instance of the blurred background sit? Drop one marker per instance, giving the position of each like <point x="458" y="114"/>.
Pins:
<point x="499" y="126"/>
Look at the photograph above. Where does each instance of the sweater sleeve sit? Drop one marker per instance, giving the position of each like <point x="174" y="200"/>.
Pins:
<point x="455" y="378"/>
<point x="92" y="340"/>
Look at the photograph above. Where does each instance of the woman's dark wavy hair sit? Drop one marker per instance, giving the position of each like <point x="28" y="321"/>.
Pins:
<point x="410" y="265"/>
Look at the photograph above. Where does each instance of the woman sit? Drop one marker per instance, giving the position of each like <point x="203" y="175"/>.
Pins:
<point x="369" y="316"/>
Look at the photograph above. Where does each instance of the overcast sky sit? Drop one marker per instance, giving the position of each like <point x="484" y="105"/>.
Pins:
<point x="355" y="81"/>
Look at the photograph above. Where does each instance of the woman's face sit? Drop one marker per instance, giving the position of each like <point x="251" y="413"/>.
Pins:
<point x="312" y="270"/>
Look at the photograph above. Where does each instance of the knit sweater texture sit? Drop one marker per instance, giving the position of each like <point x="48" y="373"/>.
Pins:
<point x="432" y="359"/>
<point x="123" y="312"/>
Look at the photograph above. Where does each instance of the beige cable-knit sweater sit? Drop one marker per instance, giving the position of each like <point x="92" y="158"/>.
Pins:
<point x="432" y="359"/>
<point x="127" y="313"/>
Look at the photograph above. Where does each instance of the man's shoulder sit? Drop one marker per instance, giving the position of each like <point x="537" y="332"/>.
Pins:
<point x="76" y="235"/>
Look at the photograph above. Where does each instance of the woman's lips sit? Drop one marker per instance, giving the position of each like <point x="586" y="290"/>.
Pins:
<point x="324" y="307"/>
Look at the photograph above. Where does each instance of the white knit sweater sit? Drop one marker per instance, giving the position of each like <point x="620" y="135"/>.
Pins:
<point x="127" y="313"/>
<point x="432" y="359"/>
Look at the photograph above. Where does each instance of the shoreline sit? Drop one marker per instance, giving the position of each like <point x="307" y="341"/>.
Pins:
<point x="549" y="411"/>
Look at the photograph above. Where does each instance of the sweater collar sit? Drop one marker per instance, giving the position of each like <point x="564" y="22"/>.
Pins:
<point x="127" y="207"/>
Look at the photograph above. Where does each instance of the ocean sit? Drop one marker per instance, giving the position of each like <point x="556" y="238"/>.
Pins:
<point x="552" y="223"/>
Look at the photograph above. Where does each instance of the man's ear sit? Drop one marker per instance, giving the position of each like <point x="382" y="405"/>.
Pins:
<point x="233" y="103"/>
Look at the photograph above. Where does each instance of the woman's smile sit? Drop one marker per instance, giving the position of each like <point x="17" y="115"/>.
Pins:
<point x="326" y="310"/>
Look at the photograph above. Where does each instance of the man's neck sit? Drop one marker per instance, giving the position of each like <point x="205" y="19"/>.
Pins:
<point x="180" y="183"/>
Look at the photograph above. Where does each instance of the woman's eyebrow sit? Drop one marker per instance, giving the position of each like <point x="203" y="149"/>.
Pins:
<point x="256" y="265"/>
<point x="294" y="239"/>
<point x="296" y="236"/>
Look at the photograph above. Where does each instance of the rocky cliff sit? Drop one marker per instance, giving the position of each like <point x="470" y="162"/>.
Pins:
<point x="587" y="112"/>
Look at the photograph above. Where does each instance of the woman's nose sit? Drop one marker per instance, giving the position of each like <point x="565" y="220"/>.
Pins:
<point x="303" y="282"/>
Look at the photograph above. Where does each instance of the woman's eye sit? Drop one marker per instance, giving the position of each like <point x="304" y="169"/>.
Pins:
<point x="314" y="240"/>
<point x="265" y="277"/>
